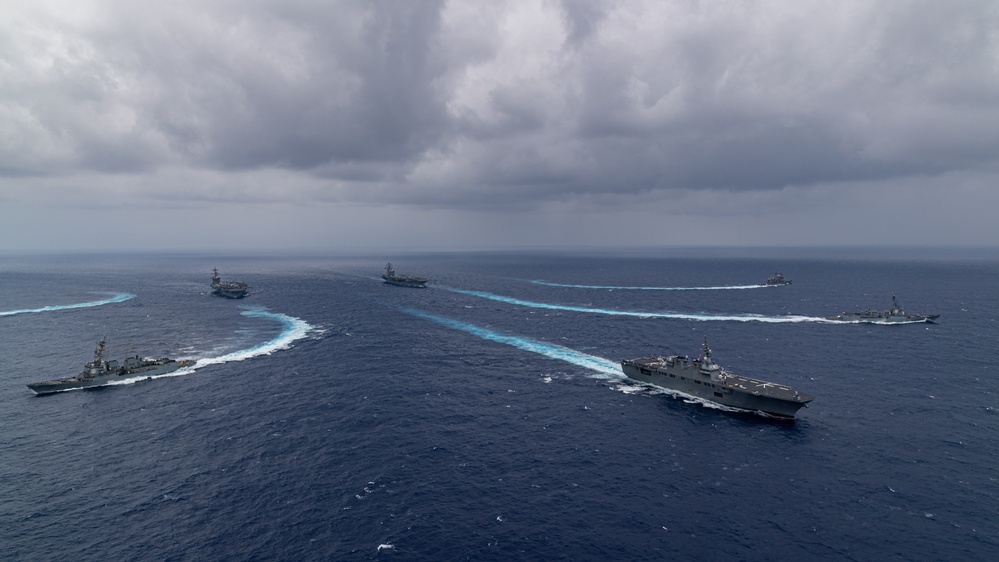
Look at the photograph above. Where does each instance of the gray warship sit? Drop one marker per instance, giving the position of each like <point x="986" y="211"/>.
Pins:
<point x="100" y="372"/>
<point x="228" y="289"/>
<point x="392" y="278"/>
<point x="776" y="280"/>
<point x="703" y="378"/>
<point x="894" y="315"/>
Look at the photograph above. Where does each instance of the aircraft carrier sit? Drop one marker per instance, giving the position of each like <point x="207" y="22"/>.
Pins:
<point x="392" y="278"/>
<point x="228" y="289"/>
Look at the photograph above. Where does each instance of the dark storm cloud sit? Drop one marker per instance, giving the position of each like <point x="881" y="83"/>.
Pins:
<point x="470" y="104"/>
<point x="289" y="84"/>
<point x="582" y="19"/>
<point x="226" y="85"/>
<point x="763" y="101"/>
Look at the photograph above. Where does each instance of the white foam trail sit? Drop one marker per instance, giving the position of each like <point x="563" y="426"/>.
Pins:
<point x="115" y="297"/>
<point x="600" y="365"/>
<point x="625" y="288"/>
<point x="294" y="329"/>
<point x="674" y="315"/>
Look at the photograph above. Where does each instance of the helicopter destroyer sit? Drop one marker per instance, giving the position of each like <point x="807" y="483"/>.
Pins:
<point x="228" y="289"/>
<point x="392" y="278"/>
<point x="894" y="315"/>
<point x="703" y="378"/>
<point x="100" y="372"/>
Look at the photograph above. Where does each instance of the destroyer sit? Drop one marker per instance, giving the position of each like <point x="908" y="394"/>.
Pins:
<point x="706" y="379"/>
<point x="894" y="315"/>
<point x="228" y="289"/>
<point x="392" y="278"/>
<point x="776" y="280"/>
<point x="100" y="372"/>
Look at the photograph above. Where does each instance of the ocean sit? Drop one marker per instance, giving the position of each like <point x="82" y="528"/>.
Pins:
<point x="330" y="416"/>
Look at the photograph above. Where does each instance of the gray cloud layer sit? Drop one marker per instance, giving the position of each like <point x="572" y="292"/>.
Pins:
<point x="480" y="105"/>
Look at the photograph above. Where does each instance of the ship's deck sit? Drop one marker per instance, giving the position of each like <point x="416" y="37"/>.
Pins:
<point x="731" y="380"/>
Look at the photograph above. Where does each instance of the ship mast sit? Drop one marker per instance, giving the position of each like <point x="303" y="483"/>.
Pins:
<point x="709" y="367"/>
<point x="99" y="352"/>
<point x="95" y="366"/>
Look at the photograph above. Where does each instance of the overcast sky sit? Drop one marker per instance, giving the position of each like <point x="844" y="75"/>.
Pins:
<point x="245" y="125"/>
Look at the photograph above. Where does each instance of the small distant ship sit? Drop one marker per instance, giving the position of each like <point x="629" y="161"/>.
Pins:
<point x="392" y="278"/>
<point x="776" y="280"/>
<point x="100" y="372"/>
<point x="894" y="315"/>
<point x="705" y="379"/>
<point x="228" y="289"/>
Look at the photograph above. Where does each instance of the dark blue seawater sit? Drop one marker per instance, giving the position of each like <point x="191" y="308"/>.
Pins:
<point x="333" y="417"/>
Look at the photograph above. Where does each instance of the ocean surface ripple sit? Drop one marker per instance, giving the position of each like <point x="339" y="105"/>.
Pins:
<point x="330" y="416"/>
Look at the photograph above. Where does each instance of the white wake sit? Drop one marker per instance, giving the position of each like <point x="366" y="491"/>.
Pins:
<point x="294" y="330"/>
<point x="113" y="298"/>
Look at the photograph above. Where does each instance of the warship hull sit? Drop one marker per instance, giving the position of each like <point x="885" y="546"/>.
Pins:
<point x="406" y="281"/>
<point x="237" y="293"/>
<point x="228" y="289"/>
<point x="894" y="315"/>
<point x="414" y="281"/>
<point x="152" y="369"/>
<point x="776" y="280"/>
<point x="863" y="318"/>
<point x="679" y="374"/>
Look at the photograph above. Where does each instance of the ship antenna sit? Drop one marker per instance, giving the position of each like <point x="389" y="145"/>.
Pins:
<point x="99" y="352"/>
